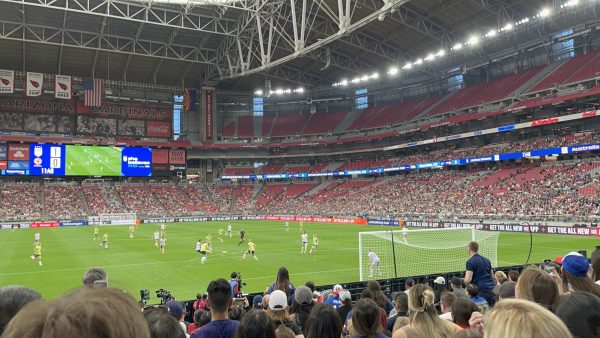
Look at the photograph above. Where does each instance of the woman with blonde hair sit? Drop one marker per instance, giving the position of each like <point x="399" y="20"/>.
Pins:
<point x="537" y="286"/>
<point x="424" y="321"/>
<point x="522" y="318"/>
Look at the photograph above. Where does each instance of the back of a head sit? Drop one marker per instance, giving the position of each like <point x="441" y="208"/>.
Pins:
<point x="462" y="309"/>
<point x="162" y="324"/>
<point x="580" y="311"/>
<point x="595" y="264"/>
<point x="472" y="290"/>
<point x="365" y="317"/>
<point x="402" y="301"/>
<point x="537" y="286"/>
<point x="423" y="315"/>
<point x="323" y="322"/>
<point x="219" y="295"/>
<point x="85" y="313"/>
<point x="283" y="331"/>
<point x="93" y="275"/>
<point x="447" y="299"/>
<point x="12" y="299"/>
<point x="513" y="275"/>
<point x="256" y="324"/>
<point x="283" y="280"/>
<point x="474" y="246"/>
<point x="507" y="290"/>
<point x="467" y="334"/>
<point x="522" y="318"/>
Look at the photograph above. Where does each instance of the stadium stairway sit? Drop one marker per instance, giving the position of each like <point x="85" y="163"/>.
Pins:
<point x="536" y="78"/>
<point x="86" y="204"/>
<point x="347" y="121"/>
<point x="432" y="107"/>
<point x="332" y="166"/>
<point x="42" y="199"/>
<point x="316" y="189"/>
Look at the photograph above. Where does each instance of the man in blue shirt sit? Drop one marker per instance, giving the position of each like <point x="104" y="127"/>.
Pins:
<point x="479" y="272"/>
<point x="220" y="326"/>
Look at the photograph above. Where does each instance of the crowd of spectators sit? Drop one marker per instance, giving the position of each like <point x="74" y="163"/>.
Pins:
<point x="557" y="300"/>
<point x="20" y="202"/>
<point x="64" y="202"/>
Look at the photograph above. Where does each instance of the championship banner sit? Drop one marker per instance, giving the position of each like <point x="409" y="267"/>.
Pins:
<point x="62" y="87"/>
<point x="34" y="84"/>
<point x="7" y="81"/>
<point x="209" y="113"/>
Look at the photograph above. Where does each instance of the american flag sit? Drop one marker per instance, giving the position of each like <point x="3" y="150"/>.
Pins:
<point x="92" y="92"/>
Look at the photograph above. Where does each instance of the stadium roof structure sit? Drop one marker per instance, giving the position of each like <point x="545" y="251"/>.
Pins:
<point x="240" y="43"/>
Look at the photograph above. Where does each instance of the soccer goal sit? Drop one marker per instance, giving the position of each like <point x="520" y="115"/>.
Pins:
<point x="403" y="253"/>
<point x="118" y="218"/>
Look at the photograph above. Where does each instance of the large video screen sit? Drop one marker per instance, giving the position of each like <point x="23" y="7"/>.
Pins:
<point x="73" y="160"/>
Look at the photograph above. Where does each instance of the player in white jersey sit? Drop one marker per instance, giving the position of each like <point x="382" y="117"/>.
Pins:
<point x="304" y="238"/>
<point x="229" y="229"/>
<point x="287" y="226"/>
<point x="36" y="237"/>
<point x="163" y="228"/>
<point x="405" y="234"/>
<point x="156" y="238"/>
<point x="163" y="244"/>
<point x="373" y="263"/>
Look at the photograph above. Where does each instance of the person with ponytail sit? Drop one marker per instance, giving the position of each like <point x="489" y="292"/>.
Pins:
<point x="423" y="319"/>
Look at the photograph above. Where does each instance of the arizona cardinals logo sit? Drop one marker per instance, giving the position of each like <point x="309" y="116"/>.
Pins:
<point x="63" y="86"/>
<point x="4" y="81"/>
<point x="35" y="84"/>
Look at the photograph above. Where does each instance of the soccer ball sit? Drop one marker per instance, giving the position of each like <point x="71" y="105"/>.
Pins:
<point x="32" y="257"/>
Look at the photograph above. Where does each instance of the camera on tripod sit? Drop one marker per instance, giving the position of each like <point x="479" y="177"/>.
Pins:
<point x="164" y="295"/>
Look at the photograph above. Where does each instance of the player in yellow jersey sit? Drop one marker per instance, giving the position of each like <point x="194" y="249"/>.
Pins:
<point x="209" y="241"/>
<point x="37" y="253"/>
<point x="315" y="244"/>
<point x="131" y="231"/>
<point x="203" y="251"/>
<point x="251" y="250"/>
<point x="221" y="234"/>
<point x="104" y="241"/>
<point x="96" y="232"/>
<point x="301" y="226"/>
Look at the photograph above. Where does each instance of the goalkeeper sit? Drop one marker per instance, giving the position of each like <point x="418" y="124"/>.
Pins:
<point x="373" y="263"/>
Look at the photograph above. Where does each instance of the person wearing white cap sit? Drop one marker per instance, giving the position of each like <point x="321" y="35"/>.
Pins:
<point x="335" y="299"/>
<point x="279" y="314"/>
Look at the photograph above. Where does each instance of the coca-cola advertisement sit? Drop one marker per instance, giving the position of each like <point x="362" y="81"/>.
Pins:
<point x="158" y="129"/>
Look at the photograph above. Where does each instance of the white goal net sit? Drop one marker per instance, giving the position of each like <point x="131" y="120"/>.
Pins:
<point x="403" y="253"/>
<point x="118" y="218"/>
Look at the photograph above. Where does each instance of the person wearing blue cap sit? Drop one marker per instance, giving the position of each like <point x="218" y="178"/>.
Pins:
<point x="575" y="277"/>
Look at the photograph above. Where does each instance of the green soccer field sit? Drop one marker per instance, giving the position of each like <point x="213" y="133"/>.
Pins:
<point x="93" y="161"/>
<point x="134" y="264"/>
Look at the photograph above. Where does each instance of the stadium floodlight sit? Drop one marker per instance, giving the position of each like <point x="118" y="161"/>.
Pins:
<point x="344" y="82"/>
<point x="365" y="78"/>
<point x="491" y="33"/>
<point x="375" y="75"/>
<point x="544" y="13"/>
<point x="418" y="62"/>
<point x="258" y="92"/>
<point x="507" y="27"/>
<point x="473" y="40"/>
<point x="288" y="91"/>
<point x="570" y="3"/>
<point x="407" y="66"/>
<point x="278" y="91"/>
<point x="355" y="80"/>
<point x="440" y="53"/>
<point x="430" y="57"/>
<point x="457" y="46"/>
<point x="300" y="90"/>
<point x="393" y="71"/>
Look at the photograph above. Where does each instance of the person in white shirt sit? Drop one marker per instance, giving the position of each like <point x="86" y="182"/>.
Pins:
<point x="304" y="238"/>
<point x="446" y="301"/>
<point x="156" y="238"/>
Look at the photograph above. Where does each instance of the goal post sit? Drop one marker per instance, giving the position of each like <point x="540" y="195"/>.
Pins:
<point x="404" y="253"/>
<point x="117" y="218"/>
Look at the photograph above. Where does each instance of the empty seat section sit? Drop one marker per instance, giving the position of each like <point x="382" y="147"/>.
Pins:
<point x="245" y="126"/>
<point x="562" y="73"/>
<point x="323" y="122"/>
<point x="229" y="129"/>
<point x="286" y="125"/>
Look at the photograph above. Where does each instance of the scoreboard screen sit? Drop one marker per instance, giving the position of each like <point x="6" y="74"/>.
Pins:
<point x="73" y="160"/>
<point x="46" y="160"/>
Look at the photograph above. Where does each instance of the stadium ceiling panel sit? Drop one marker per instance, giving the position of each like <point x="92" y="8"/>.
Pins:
<point x="238" y="42"/>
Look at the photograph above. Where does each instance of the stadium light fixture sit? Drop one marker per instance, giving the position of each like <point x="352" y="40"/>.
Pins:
<point x="299" y="90"/>
<point x="279" y="91"/>
<point x="365" y="78"/>
<point x="440" y="53"/>
<point x="491" y="33"/>
<point x="457" y="46"/>
<point x="507" y="27"/>
<point x="393" y="71"/>
<point x="545" y="13"/>
<point x="473" y="40"/>
<point x="344" y="82"/>
<point x="355" y="80"/>
<point x="430" y="57"/>
<point x="407" y="66"/>
<point x="258" y="93"/>
<point x="375" y="75"/>
<point x="418" y="62"/>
